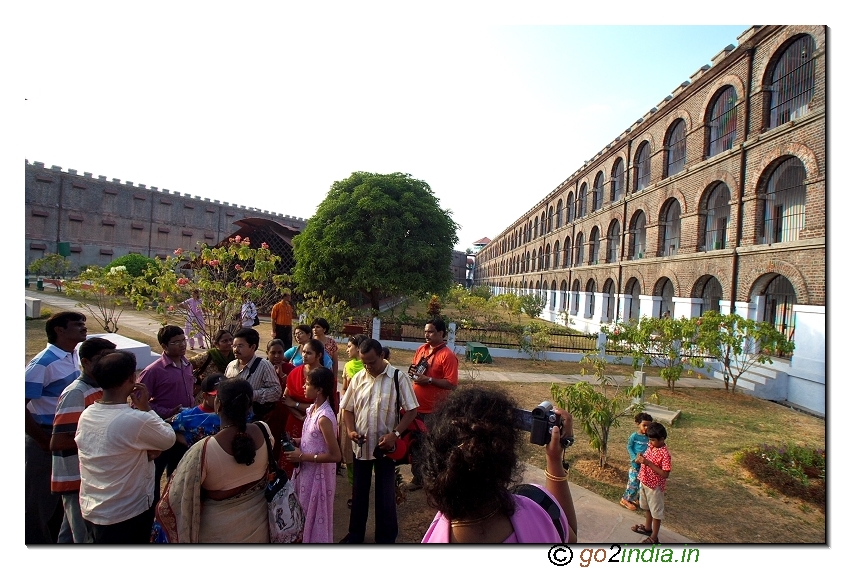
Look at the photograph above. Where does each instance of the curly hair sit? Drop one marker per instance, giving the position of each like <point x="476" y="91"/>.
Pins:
<point x="469" y="455"/>
<point x="235" y="397"/>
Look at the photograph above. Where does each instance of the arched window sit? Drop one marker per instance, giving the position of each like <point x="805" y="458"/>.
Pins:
<point x="614" y="241"/>
<point x="779" y="299"/>
<point x="570" y="207"/>
<point x="534" y="261"/>
<point x="675" y="148"/>
<point x="581" y="202"/>
<point x="576" y="290"/>
<point x="550" y="219"/>
<point x="565" y="297"/>
<point x="672" y="226"/>
<point x="594" y="246"/>
<point x="666" y="305"/>
<point x="579" y="249"/>
<point x="540" y="259"/>
<point x="548" y="254"/>
<point x="556" y="254"/>
<point x="723" y="122"/>
<point x="608" y="290"/>
<point x="536" y="224"/>
<point x="553" y="295"/>
<point x="785" y="202"/>
<point x="637" y="247"/>
<point x="559" y="214"/>
<point x="717" y="217"/>
<point x="633" y="289"/>
<point x="618" y="181"/>
<point x="598" y="191"/>
<point x="712" y="293"/>
<point x="642" y="171"/>
<point x="792" y="82"/>
<point x="568" y="256"/>
<point x="591" y="298"/>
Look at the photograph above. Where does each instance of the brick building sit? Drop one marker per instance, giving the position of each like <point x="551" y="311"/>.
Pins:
<point x="715" y="199"/>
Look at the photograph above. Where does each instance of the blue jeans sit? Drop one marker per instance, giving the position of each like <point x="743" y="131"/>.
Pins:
<point x="75" y="529"/>
<point x="386" y="519"/>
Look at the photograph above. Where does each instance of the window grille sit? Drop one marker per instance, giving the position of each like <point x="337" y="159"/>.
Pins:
<point x="785" y="203"/>
<point x="717" y="218"/>
<point x="559" y="214"/>
<point x="614" y="242"/>
<point x="556" y="254"/>
<point x="598" y="191"/>
<point x="594" y="246"/>
<point x="676" y="148"/>
<point x="581" y="203"/>
<point x="579" y="249"/>
<point x="639" y="236"/>
<point x="722" y="125"/>
<point x="672" y="228"/>
<point x="793" y="82"/>
<point x="618" y="179"/>
<point x="642" y="171"/>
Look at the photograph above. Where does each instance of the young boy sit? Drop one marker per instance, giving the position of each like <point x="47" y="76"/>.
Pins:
<point x="636" y="445"/>
<point x="654" y="471"/>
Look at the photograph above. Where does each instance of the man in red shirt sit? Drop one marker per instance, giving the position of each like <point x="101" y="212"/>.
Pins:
<point x="434" y="374"/>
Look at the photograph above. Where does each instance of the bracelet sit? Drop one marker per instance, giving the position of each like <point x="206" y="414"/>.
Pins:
<point x="555" y="478"/>
<point x="316" y="458"/>
<point x="297" y="404"/>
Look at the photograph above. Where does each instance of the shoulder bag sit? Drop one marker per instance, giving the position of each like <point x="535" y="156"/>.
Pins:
<point x="411" y="436"/>
<point x="286" y="517"/>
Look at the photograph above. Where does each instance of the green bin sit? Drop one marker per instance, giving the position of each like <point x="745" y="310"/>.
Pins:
<point x="478" y="352"/>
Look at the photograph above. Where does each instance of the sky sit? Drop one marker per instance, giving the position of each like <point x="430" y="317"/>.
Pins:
<point x="267" y="104"/>
<point x="262" y="110"/>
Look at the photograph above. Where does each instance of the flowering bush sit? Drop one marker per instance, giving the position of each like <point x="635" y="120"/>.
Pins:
<point x="796" y="471"/>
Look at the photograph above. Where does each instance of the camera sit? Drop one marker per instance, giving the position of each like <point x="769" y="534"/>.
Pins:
<point x="418" y="369"/>
<point x="539" y="423"/>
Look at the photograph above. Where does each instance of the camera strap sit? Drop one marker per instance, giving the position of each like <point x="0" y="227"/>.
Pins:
<point x="547" y="503"/>
<point x="434" y="352"/>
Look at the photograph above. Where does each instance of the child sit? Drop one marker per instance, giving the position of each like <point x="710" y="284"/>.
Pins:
<point x="636" y="445"/>
<point x="318" y="452"/>
<point x="654" y="471"/>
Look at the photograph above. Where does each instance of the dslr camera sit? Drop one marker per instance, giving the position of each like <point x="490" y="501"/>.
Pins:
<point x="418" y="368"/>
<point x="539" y="423"/>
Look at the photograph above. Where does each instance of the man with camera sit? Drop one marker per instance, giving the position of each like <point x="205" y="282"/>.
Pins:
<point x="434" y="374"/>
<point x="372" y="424"/>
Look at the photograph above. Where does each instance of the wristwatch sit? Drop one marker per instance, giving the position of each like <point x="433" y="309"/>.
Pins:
<point x="430" y="380"/>
<point x="397" y="435"/>
<point x="297" y="404"/>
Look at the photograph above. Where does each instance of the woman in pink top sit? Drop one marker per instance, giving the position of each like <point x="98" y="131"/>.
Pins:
<point x="196" y="325"/>
<point x="318" y="452"/>
<point x="469" y="459"/>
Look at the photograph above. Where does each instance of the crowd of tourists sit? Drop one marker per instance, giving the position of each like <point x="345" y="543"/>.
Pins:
<point x="100" y="436"/>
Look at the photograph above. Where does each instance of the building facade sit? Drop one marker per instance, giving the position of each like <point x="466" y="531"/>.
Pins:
<point x="713" y="200"/>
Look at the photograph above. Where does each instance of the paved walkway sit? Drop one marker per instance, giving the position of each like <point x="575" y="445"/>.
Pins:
<point x="600" y="521"/>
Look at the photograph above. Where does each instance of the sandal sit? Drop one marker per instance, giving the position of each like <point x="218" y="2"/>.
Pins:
<point x="641" y="530"/>
<point x="648" y="540"/>
<point x="628" y="505"/>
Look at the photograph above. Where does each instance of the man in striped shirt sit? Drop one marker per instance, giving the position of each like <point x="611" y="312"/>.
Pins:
<point x="46" y="376"/>
<point x="66" y="465"/>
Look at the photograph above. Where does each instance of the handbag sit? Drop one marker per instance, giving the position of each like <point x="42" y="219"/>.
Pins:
<point x="286" y="517"/>
<point x="256" y="321"/>
<point x="412" y="434"/>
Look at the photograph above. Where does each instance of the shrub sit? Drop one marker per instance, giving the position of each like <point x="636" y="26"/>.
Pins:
<point x="795" y="471"/>
<point x="135" y="263"/>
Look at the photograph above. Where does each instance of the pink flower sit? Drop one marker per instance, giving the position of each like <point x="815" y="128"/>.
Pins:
<point x="259" y="286"/>
<point x="246" y="241"/>
<point x="182" y="281"/>
<point x="170" y="308"/>
<point x="248" y="284"/>
<point x="214" y="263"/>
<point x="178" y="252"/>
<point x="265" y="245"/>
<point x="238" y="238"/>
<point x="699" y="321"/>
<point x="616" y="332"/>
<point x="238" y="267"/>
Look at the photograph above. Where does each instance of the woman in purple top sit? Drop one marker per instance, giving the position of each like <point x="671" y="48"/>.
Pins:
<point x="195" y="323"/>
<point x="469" y="458"/>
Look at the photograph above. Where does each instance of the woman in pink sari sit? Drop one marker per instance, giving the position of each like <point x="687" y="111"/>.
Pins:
<point x="318" y="453"/>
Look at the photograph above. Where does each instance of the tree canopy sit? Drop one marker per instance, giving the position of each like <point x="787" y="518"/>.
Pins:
<point x="381" y="234"/>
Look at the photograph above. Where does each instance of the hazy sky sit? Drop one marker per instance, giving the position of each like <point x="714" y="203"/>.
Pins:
<point x="264" y="109"/>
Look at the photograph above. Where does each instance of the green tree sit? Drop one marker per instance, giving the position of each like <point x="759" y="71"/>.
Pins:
<point x="318" y="305"/>
<point x="532" y="305"/>
<point x="382" y="234"/>
<point x="738" y="343"/>
<point x="52" y="264"/>
<point x="669" y="344"/>
<point x="104" y="292"/>
<point x="597" y="408"/>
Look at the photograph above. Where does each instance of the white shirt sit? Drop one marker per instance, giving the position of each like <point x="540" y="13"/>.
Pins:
<point x="116" y="477"/>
